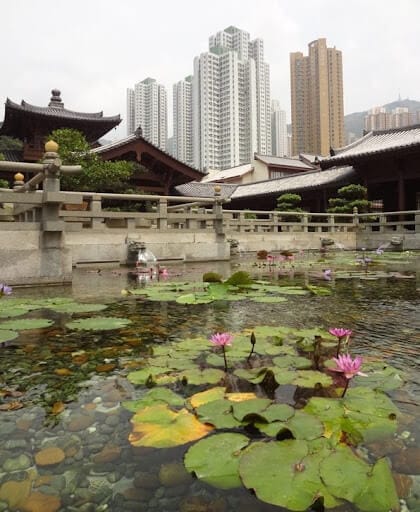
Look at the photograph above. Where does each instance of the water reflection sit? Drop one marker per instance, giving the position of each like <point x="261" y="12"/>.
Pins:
<point x="68" y="445"/>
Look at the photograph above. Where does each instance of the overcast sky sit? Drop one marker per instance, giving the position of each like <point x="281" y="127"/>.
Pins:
<point x="92" y="50"/>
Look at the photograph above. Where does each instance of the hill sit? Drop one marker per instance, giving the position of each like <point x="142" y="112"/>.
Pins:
<point x="353" y="123"/>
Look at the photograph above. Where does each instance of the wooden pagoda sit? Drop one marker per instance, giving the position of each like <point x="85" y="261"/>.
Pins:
<point x="31" y="124"/>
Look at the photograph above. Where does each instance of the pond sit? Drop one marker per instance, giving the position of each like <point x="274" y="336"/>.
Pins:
<point x="97" y="417"/>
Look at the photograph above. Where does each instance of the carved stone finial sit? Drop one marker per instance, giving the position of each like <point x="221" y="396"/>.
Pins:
<point x="138" y="132"/>
<point x="217" y="189"/>
<point x="55" y="100"/>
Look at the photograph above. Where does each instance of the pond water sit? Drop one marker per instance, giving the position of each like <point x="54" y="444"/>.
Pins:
<point x="64" y="431"/>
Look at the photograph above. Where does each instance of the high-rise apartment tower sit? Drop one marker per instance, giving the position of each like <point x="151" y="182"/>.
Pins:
<point x="231" y="111"/>
<point x="317" y="99"/>
<point x="182" y="112"/>
<point x="147" y="109"/>
<point x="279" y="139"/>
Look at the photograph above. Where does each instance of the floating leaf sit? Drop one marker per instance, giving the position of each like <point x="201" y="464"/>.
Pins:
<point x="209" y="395"/>
<point x="75" y="307"/>
<point x="26" y="323"/>
<point x="159" y="427"/>
<point x="277" y="412"/>
<point x="7" y="336"/>
<point x="153" y="397"/>
<point x="255" y="375"/>
<point x="250" y="407"/>
<point x="379" y="494"/>
<point x="269" y="299"/>
<point x="193" y="298"/>
<point x="292" y="362"/>
<point x="215" y="460"/>
<point x="206" y="376"/>
<point x="240" y="397"/>
<point x="99" y="323"/>
<point x="13" y="312"/>
<point x="310" y="378"/>
<point x="144" y="374"/>
<point x="344" y="474"/>
<point x="284" y="474"/>
<point x="218" y="413"/>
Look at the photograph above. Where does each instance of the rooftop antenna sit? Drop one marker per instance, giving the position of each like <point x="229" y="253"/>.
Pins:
<point x="399" y="96"/>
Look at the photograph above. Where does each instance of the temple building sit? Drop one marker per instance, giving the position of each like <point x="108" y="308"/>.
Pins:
<point x="31" y="124"/>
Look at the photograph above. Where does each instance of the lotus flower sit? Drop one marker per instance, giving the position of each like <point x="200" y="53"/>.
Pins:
<point x="5" y="290"/>
<point x="221" y="339"/>
<point x="350" y="367"/>
<point x="339" y="332"/>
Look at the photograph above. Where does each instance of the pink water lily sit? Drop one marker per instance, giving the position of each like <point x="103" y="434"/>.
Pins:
<point x="5" y="290"/>
<point x="339" y="332"/>
<point x="350" y="367"/>
<point x="221" y="339"/>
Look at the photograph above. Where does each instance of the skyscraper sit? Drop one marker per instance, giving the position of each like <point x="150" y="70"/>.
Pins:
<point x="182" y="112"/>
<point x="231" y="118"/>
<point x="147" y="109"/>
<point x="279" y="140"/>
<point x="317" y="99"/>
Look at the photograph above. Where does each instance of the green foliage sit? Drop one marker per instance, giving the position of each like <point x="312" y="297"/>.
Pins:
<point x="250" y="215"/>
<point x="9" y="143"/>
<point x="212" y="277"/>
<point x="3" y="183"/>
<point x="1" y="158"/>
<point x="289" y="203"/>
<point x="348" y="198"/>
<point x="239" y="278"/>
<point x="97" y="175"/>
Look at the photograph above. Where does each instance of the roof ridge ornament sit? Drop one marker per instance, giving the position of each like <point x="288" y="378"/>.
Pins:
<point x="55" y="100"/>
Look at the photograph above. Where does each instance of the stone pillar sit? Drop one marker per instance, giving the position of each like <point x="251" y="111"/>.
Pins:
<point x="163" y="214"/>
<point x="218" y="212"/>
<point x="55" y="258"/>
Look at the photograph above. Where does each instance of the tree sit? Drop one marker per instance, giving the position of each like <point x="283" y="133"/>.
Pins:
<point x="348" y="198"/>
<point x="9" y="143"/>
<point x="97" y="175"/>
<point x="289" y="203"/>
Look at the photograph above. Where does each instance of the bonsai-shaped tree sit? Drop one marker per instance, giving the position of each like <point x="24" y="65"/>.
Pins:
<point x="349" y="197"/>
<point x="289" y="203"/>
<point x="97" y="175"/>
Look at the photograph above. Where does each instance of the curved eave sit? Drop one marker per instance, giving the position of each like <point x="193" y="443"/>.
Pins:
<point x="355" y="159"/>
<point x="62" y="113"/>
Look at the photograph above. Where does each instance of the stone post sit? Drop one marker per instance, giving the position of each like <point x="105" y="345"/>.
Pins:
<point x="163" y="214"/>
<point x="218" y="211"/>
<point x="356" y="218"/>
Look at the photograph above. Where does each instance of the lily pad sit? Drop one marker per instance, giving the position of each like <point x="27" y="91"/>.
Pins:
<point x="206" y="376"/>
<point x="159" y="427"/>
<point x="218" y="413"/>
<point x="209" y="395"/>
<point x="99" y="323"/>
<point x="7" y="336"/>
<point x="269" y="299"/>
<point x="24" y="324"/>
<point x="284" y="474"/>
<point x="75" y="307"/>
<point x="215" y="460"/>
<point x="13" y="312"/>
<point x="292" y="362"/>
<point x="250" y="407"/>
<point x="310" y="378"/>
<point x="153" y="397"/>
<point x="145" y="374"/>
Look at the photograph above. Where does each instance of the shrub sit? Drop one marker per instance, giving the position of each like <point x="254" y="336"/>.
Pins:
<point x="212" y="277"/>
<point x="239" y="278"/>
<point x="348" y="198"/>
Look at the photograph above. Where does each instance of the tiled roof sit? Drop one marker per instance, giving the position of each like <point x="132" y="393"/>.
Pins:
<point x="131" y="138"/>
<point x="296" y="182"/>
<point x="283" y="161"/>
<point x="197" y="189"/>
<point x="12" y="155"/>
<point x="235" y="172"/>
<point x="375" y="143"/>
<point x="54" y="111"/>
